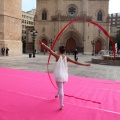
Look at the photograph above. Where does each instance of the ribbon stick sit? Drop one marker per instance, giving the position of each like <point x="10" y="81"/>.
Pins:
<point x="105" y="32"/>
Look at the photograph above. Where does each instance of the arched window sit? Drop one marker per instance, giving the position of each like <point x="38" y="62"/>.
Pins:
<point x="99" y="16"/>
<point x="44" y="15"/>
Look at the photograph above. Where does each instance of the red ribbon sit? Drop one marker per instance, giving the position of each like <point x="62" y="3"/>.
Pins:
<point x="105" y="32"/>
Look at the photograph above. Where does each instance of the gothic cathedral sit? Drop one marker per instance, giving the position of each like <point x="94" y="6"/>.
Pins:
<point x="52" y="15"/>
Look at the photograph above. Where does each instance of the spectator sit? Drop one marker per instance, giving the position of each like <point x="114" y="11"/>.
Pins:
<point x="44" y="51"/>
<point x="75" y="55"/>
<point x="7" y="51"/>
<point x="3" y="51"/>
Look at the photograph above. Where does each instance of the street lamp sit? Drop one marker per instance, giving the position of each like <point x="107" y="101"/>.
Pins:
<point x="51" y="42"/>
<point x="33" y="34"/>
<point x="93" y="44"/>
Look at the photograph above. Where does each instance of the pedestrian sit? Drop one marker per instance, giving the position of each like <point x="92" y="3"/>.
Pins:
<point x="76" y="55"/>
<point x="7" y="51"/>
<point x="35" y="51"/>
<point x="44" y="51"/>
<point x="119" y="52"/>
<point x="61" y="70"/>
<point x="3" y="51"/>
<point x="68" y="52"/>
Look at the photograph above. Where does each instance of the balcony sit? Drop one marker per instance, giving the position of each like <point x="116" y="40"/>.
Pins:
<point x="69" y="18"/>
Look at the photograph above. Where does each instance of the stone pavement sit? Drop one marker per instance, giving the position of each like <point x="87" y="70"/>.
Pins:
<point x="38" y="63"/>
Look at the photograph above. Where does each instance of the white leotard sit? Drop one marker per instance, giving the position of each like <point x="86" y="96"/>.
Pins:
<point x="61" y="70"/>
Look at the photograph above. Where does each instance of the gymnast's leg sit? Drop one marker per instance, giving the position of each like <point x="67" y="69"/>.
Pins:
<point x="61" y="93"/>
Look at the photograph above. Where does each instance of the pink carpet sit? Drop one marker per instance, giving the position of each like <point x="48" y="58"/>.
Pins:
<point x="27" y="95"/>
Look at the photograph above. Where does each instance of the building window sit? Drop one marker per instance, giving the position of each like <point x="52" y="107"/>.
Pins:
<point x="113" y="22"/>
<point x="118" y="22"/>
<point x="113" y="19"/>
<point x="99" y="16"/>
<point x="22" y="21"/>
<point x="22" y="26"/>
<point x="44" y="15"/>
<point x="72" y="10"/>
<point x="32" y="23"/>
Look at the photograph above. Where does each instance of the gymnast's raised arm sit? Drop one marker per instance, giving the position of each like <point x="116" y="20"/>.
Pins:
<point x="48" y="49"/>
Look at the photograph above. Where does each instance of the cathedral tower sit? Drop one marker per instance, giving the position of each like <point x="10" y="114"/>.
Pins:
<point x="10" y="26"/>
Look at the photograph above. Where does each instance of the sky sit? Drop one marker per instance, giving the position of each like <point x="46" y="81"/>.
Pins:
<point x="114" y="5"/>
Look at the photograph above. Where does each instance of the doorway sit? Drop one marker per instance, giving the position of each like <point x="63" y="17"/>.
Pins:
<point x="98" y="46"/>
<point x="70" y="45"/>
<point x="45" y="42"/>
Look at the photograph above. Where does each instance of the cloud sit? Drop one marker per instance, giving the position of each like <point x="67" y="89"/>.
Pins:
<point x="114" y="6"/>
<point x="28" y="5"/>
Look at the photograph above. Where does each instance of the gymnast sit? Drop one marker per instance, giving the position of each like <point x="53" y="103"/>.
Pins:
<point x="61" y="70"/>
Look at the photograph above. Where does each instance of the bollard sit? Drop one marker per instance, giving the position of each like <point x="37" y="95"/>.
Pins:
<point x="30" y="55"/>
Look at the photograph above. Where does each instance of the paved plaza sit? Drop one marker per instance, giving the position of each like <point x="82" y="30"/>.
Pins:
<point x="39" y="63"/>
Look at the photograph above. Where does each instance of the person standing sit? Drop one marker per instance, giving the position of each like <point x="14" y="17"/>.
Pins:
<point x="3" y="51"/>
<point x="76" y="55"/>
<point x="44" y="51"/>
<point x="61" y="70"/>
<point x="7" y="51"/>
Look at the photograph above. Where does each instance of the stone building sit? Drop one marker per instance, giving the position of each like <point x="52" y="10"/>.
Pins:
<point x="52" y="15"/>
<point x="114" y="20"/>
<point x="27" y="20"/>
<point x="27" y="24"/>
<point x="29" y="41"/>
<point x="10" y="26"/>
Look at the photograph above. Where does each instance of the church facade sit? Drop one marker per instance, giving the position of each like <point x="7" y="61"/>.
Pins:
<point x="52" y="15"/>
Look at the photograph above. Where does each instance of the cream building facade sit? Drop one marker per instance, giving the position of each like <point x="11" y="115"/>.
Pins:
<point x="52" y="15"/>
<point x="27" y="20"/>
